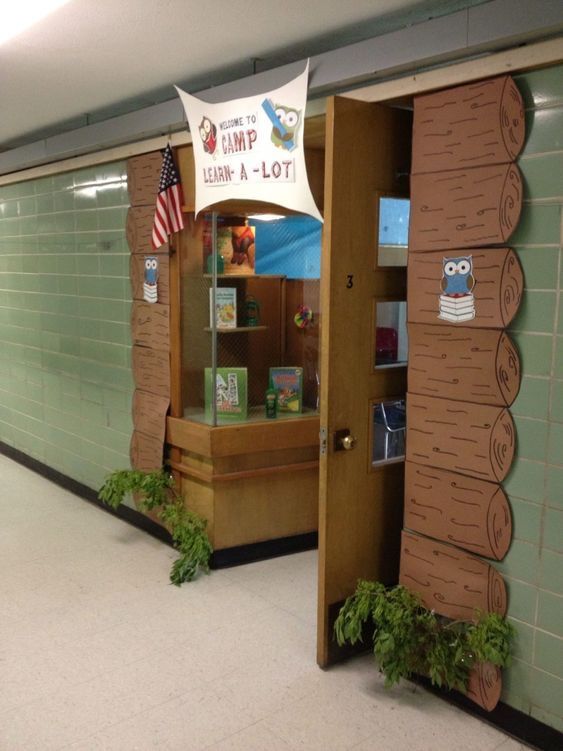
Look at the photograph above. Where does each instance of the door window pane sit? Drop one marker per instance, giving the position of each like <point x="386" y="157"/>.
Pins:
<point x="393" y="231"/>
<point x="391" y="344"/>
<point x="388" y="437"/>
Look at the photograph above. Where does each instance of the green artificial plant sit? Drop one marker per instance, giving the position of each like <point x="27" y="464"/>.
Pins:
<point x="156" y="490"/>
<point x="409" y="639"/>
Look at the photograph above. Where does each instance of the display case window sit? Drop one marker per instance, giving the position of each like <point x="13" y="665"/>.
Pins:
<point x="392" y="230"/>
<point x="388" y="431"/>
<point x="391" y="341"/>
<point x="250" y="319"/>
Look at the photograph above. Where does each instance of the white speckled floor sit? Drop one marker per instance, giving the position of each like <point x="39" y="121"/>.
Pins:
<point x="98" y="651"/>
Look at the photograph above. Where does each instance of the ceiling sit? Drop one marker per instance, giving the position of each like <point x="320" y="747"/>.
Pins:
<point x="95" y="59"/>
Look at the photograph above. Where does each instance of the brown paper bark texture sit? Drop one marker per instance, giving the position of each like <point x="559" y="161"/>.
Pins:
<point x="146" y="452"/>
<point x="139" y="231"/>
<point x="150" y="325"/>
<point x="143" y="176"/>
<point x="469" y="439"/>
<point x="151" y="370"/>
<point x="450" y="582"/>
<point x="474" y="365"/>
<point x="149" y="414"/>
<point x="464" y="208"/>
<point x="494" y="291"/>
<point x="473" y="125"/>
<point x="472" y="514"/>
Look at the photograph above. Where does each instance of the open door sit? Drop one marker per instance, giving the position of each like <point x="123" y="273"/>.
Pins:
<point x="363" y="355"/>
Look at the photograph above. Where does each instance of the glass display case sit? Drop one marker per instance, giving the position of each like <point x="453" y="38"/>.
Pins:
<point x="250" y="318"/>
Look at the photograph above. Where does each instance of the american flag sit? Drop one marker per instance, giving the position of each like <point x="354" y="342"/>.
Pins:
<point x="168" y="216"/>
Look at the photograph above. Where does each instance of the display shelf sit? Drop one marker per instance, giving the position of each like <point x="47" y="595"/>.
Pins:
<point x="245" y="276"/>
<point x="255" y="414"/>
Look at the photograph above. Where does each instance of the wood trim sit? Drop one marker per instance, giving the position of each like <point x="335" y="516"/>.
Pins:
<point x="176" y="401"/>
<point x="513" y="60"/>
<point x="243" y="474"/>
<point x="188" y="435"/>
<point x="246" y="438"/>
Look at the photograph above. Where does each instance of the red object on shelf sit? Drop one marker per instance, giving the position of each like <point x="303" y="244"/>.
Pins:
<point x="386" y="344"/>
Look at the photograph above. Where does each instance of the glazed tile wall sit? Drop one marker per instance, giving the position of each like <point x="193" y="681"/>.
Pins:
<point x="534" y="565"/>
<point x="65" y="378"/>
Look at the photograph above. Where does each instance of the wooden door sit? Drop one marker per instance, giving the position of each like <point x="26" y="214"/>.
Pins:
<point x="361" y="503"/>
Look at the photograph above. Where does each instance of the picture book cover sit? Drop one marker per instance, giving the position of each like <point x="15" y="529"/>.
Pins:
<point x="237" y="246"/>
<point x="225" y="307"/>
<point x="231" y="393"/>
<point x="288" y="384"/>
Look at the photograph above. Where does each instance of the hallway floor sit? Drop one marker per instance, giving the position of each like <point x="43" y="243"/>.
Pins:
<point x="98" y="651"/>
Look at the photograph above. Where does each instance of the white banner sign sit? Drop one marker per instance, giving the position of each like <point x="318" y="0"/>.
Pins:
<point x="252" y="148"/>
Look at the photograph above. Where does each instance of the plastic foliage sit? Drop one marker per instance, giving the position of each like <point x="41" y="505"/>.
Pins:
<point x="409" y="639"/>
<point x="156" y="491"/>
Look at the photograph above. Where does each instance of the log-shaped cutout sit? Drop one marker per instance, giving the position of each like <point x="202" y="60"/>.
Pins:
<point x="485" y="685"/>
<point x="468" y="126"/>
<point x="139" y="231"/>
<point x="149" y="414"/>
<point x="496" y="294"/>
<point x="450" y="582"/>
<point x="472" y="514"/>
<point x="150" y="325"/>
<point x="143" y="175"/>
<point x="146" y="452"/>
<point x="470" y="439"/>
<point x="137" y="275"/>
<point x="151" y="370"/>
<point x="466" y="208"/>
<point x="474" y="365"/>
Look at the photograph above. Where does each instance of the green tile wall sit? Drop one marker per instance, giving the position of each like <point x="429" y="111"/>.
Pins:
<point x="533" y="567"/>
<point x="65" y="377"/>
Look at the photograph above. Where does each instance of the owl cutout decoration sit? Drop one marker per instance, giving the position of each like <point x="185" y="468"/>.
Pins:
<point x="150" y="285"/>
<point x="285" y="122"/>
<point x="457" y="303"/>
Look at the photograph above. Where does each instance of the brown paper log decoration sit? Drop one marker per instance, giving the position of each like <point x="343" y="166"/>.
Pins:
<point x="139" y="231"/>
<point x="450" y="582"/>
<point x="469" y="126"/>
<point x="473" y="365"/>
<point x="472" y="514"/>
<point x="485" y="685"/>
<point x="151" y="370"/>
<point x="464" y="208"/>
<point x="150" y="325"/>
<point x="499" y="284"/>
<point x="137" y="276"/>
<point x="471" y="439"/>
<point x="146" y="452"/>
<point x="143" y="175"/>
<point x="149" y="414"/>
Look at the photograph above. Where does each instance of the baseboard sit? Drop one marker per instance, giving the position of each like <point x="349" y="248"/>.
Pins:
<point x="515" y="723"/>
<point x="220" y="559"/>
<point x="126" y="513"/>
<point x="259" y="551"/>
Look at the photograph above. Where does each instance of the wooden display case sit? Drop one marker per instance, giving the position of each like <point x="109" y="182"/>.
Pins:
<point x="254" y="481"/>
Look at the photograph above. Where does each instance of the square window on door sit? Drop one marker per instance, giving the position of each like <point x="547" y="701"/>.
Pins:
<point x="388" y="431"/>
<point x="391" y="343"/>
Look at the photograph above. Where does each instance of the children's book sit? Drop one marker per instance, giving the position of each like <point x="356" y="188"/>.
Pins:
<point x="288" y="384"/>
<point x="225" y="307"/>
<point x="231" y="393"/>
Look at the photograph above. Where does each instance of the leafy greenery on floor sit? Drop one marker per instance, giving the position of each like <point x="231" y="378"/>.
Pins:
<point x="156" y="491"/>
<point x="409" y="639"/>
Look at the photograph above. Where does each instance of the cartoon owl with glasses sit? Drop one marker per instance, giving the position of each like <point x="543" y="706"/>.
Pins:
<point x="457" y="277"/>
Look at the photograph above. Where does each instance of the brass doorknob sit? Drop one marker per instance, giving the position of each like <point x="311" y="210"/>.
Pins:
<point x="348" y="442"/>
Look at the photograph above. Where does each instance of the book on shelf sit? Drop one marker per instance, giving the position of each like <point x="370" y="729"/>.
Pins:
<point x="231" y="393"/>
<point x="236" y="250"/>
<point x="288" y="384"/>
<point x="225" y="307"/>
